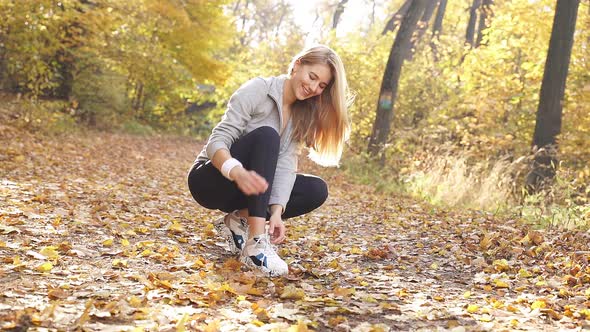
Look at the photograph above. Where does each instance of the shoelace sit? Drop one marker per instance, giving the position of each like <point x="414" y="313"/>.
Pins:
<point x="266" y="245"/>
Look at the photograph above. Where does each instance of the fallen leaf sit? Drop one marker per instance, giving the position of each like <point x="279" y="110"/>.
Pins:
<point x="45" y="267"/>
<point x="293" y="293"/>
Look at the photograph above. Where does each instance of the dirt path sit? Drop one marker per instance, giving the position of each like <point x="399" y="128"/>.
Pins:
<point x="99" y="232"/>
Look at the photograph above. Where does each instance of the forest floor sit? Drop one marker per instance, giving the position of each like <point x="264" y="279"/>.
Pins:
<point x="98" y="232"/>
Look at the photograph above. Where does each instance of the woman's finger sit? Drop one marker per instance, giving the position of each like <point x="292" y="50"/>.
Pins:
<point x="259" y="181"/>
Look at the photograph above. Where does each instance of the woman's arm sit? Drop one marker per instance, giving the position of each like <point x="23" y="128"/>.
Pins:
<point x="249" y="182"/>
<point x="240" y="108"/>
<point x="276" y="227"/>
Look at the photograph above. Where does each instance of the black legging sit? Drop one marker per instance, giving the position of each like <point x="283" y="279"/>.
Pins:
<point x="257" y="151"/>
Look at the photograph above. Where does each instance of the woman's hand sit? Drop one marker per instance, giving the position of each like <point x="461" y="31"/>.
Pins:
<point x="276" y="229"/>
<point x="249" y="182"/>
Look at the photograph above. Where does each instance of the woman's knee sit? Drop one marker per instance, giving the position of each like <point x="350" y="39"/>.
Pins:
<point x="266" y="135"/>
<point x="319" y="191"/>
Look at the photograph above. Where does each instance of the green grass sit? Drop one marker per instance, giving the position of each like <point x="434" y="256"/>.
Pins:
<point x="457" y="181"/>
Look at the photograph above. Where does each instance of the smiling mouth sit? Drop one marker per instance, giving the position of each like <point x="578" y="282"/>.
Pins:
<point x="306" y="92"/>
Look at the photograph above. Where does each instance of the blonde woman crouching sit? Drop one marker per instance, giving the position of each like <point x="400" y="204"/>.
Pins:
<point x="248" y="168"/>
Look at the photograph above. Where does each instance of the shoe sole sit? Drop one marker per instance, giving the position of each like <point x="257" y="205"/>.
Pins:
<point x="264" y="271"/>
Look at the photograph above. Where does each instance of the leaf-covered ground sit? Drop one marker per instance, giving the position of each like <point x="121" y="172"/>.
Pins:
<point x="99" y="232"/>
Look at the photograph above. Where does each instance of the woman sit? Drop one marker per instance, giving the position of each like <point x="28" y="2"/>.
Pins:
<point x="248" y="166"/>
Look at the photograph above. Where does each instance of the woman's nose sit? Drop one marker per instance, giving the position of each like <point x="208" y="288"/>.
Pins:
<point x="314" y="87"/>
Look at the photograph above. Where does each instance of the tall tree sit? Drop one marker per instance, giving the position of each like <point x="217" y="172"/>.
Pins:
<point x="470" y="33"/>
<point x="484" y="19"/>
<point x="390" y="82"/>
<point x="422" y="26"/>
<point x="437" y="27"/>
<point x="397" y="17"/>
<point x="548" y="122"/>
<point x="438" y="20"/>
<point x="338" y="12"/>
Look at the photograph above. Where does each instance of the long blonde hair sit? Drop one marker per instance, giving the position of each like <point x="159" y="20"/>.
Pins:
<point x="322" y="122"/>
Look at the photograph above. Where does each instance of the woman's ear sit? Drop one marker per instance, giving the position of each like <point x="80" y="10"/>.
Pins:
<point x="296" y="65"/>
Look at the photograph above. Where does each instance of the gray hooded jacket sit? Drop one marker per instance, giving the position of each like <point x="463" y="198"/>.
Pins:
<point x="257" y="103"/>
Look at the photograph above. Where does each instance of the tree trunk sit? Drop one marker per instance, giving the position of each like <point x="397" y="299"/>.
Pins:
<point x="484" y="18"/>
<point x="390" y="82"/>
<point x="337" y="13"/>
<point x="437" y="27"/>
<point x="471" y="24"/>
<point x="372" y="21"/>
<point x="548" y="122"/>
<point x="422" y="26"/>
<point x="397" y="17"/>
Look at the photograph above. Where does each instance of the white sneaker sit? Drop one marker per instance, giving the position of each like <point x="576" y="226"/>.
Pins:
<point x="259" y="254"/>
<point x="234" y="230"/>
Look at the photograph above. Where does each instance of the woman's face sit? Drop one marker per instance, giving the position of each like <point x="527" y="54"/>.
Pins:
<point x="310" y="80"/>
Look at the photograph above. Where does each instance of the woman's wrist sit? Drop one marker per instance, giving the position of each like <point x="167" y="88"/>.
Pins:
<point x="276" y="210"/>
<point x="228" y="166"/>
<point x="235" y="172"/>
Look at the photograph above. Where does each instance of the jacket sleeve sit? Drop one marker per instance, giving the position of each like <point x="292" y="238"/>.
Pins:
<point x="285" y="175"/>
<point x="239" y="111"/>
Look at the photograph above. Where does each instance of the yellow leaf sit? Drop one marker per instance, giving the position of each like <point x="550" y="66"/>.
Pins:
<point x="16" y="261"/>
<point x="134" y="301"/>
<point x="467" y="295"/>
<point x="356" y="251"/>
<point x="501" y="265"/>
<point x="434" y="266"/>
<point x="497" y="304"/>
<point x="142" y="230"/>
<point x="118" y="263"/>
<point x="49" y="252"/>
<point x="472" y="308"/>
<point x="213" y="326"/>
<point x="45" y="267"/>
<point x="291" y="292"/>
<point x="402" y="293"/>
<point x="514" y="323"/>
<point x="541" y="283"/>
<point x="334" y="264"/>
<point x="176" y="228"/>
<point x="300" y="327"/>
<point x="255" y="291"/>
<point x="486" y="318"/>
<point x="107" y="242"/>
<point x="343" y="291"/>
<point x="564" y="292"/>
<point x="524" y="273"/>
<point x="538" y="304"/>
<point x="124" y="242"/>
<point x="145" y="253"/>
<point x="501" y="283"/>
<point x="369" y="299"/>
<point x="164" y="284"/>
<point x="512" y="308"/>
<point x="552" y="313"/>
<point x="180" y="324"/>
